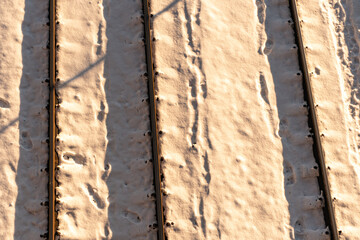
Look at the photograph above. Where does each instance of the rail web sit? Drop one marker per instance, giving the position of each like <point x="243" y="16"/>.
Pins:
<point x="318" y="150"/>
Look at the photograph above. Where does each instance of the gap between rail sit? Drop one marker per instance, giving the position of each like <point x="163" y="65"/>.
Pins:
<point x="153" y="121"/>
<point x="318" y="150"/>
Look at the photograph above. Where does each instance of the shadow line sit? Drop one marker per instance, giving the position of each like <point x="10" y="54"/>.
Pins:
<point x="167" y="8"/>
<point x="31" y="213"/>
<point x="131" y="211"/>
<point x="66" y="82"/>
<point x="299" y="165"/>
<point x="3" y="129"/>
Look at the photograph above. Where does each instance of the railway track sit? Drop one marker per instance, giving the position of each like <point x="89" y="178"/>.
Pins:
<point x="317" y="147"/>
<point x="53" y="161"/>
<point x="313" y="122"/>
<point x="153" y="121"/>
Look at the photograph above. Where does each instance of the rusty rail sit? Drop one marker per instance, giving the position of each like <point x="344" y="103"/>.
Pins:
<point x="52" y="124"/>
<point x="153" y="121"/>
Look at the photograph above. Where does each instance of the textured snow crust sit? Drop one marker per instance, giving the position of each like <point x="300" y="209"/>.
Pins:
<point x="238" y="161"/>
<point x="332" y="33"/>
<point x="23" y="119"/>
<point x="238" y="158"/>
<point x="105" y="173"/>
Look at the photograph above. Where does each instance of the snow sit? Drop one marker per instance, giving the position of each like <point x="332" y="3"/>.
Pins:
<point x="238" y="161"/>
<point x="104" y="148"/>
<point x="234" y="136"/>
<point x="331" y="32"/>
<point x="23" y="124"/>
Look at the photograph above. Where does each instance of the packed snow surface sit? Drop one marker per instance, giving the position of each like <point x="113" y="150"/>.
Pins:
<point x="238" y="159"/>
<point x="105" y="176"/>
<point x="23" y="119"/>
<point x="234" y="137"/>
<point x="332" y="35"/>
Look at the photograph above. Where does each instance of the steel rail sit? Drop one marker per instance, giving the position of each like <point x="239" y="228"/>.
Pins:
<point x="52" y="124"/>
<point x="318" y="150"/>
<point x="153" y="121"/>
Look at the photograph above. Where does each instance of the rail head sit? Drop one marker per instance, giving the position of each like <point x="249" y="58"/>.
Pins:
<point x="52" y="221"/>
<point x="153" y="121"/>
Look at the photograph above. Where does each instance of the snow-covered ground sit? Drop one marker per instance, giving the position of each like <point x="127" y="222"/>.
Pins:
<point x="238" y="161"/>
<point x="234" y="137"/>
<point x="331" y="32"/>
<point x="104" y="148"/>
<point x="23" y="118"/>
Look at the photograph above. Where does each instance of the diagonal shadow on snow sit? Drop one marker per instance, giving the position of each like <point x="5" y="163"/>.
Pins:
<point x="167" y="8"/>
<point x="81" y="73"/>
